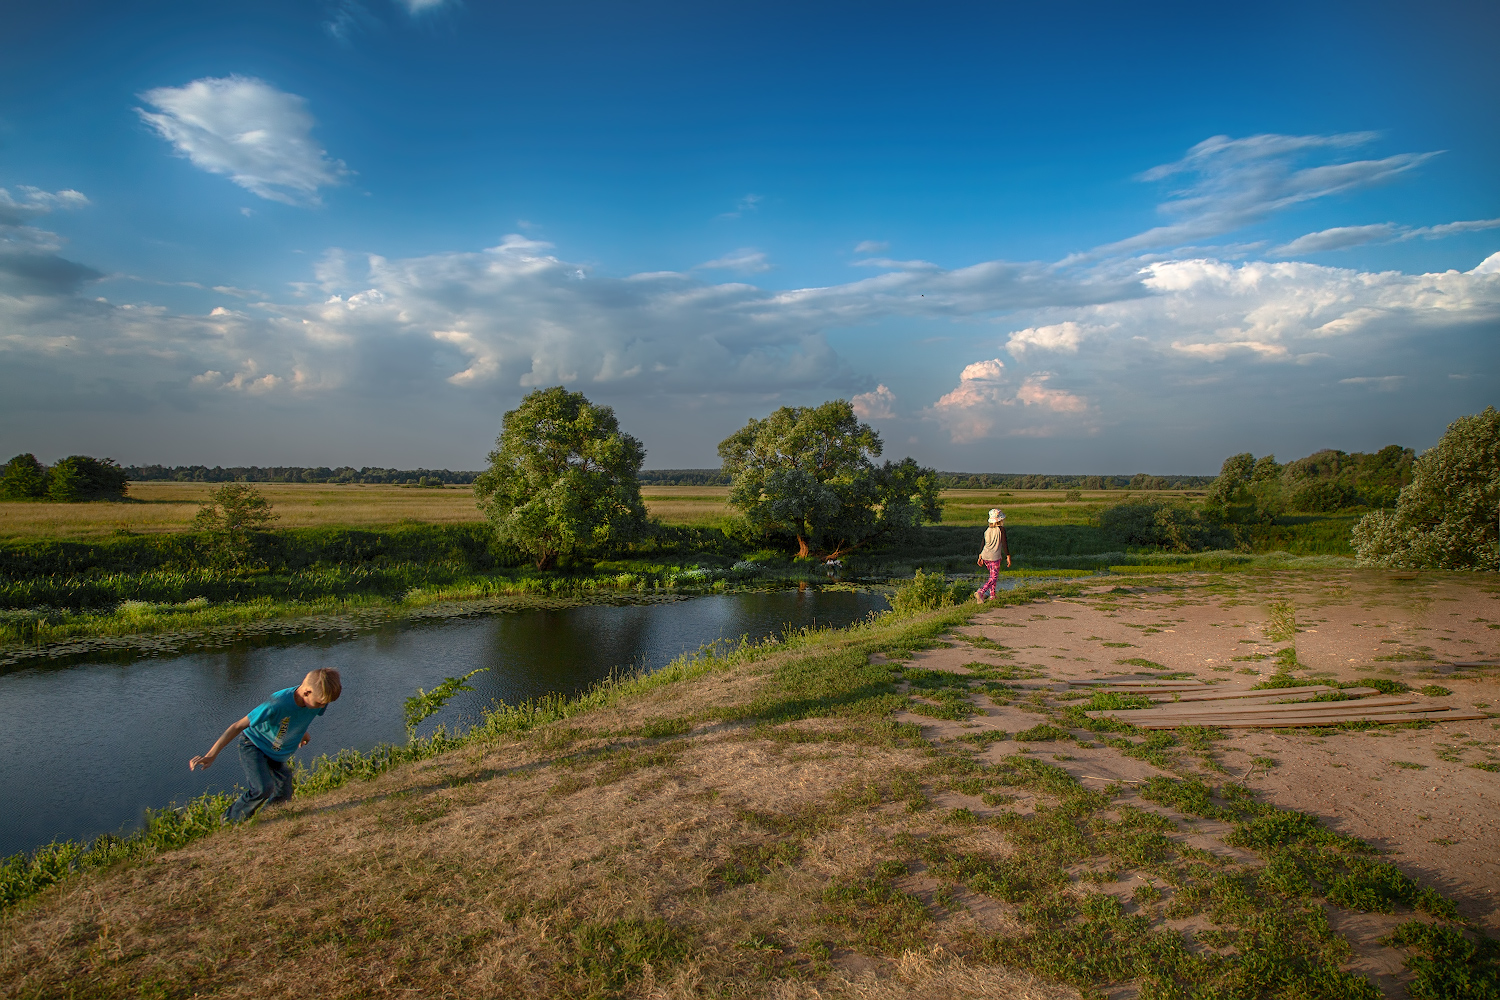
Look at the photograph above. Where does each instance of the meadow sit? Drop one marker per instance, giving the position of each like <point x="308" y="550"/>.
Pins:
<point x="138" y="567"/>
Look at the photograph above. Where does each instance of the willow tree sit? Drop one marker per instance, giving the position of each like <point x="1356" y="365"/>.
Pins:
<point x="562" y="478"/>
<point x="1446" y="517"/>
<point x="809" y="471"/>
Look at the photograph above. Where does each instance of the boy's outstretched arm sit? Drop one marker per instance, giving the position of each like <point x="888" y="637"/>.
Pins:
<point x="228" y="738"/>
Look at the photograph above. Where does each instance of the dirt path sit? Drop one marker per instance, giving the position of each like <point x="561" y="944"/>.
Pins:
<point x="1427" y="797"/>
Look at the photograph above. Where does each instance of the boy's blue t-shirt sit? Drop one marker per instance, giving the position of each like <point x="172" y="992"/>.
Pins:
<point x="276" y="727"/>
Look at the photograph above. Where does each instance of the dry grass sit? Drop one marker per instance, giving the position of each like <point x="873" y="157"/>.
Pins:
<point x="833" y="855"/>
<point x="162" y="507"/>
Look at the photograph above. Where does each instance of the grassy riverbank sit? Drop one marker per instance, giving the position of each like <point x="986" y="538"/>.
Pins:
<point x="88" y="579"/>
<point x="781" y="821"/>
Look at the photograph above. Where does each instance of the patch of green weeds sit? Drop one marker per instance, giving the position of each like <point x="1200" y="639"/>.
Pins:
<point x="611" y="957"/>
<point x="1043" y="732"/>
<point x="985" y="738"/>
<point x="1449" y="965"/>
<point x="883" y="919"/>
<point x="661" y="728"/>
<point x="1486" y="766"/>
<point x="1382" y="684"/>
<point x="1435" y="691"/>
<point x="1409" y="765"/>
<point x="623" y="763"/>
<point x="749" y="863"/>
<point x="1107" y="701"/>
<point x="1136" y="661"/>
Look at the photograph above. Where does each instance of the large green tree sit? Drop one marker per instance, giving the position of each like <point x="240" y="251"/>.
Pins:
<point x="562" y="478"/>
<point x="1445" y="518"/>
<point x="80" y="478"/>
<point x="23" y="478"/>
<point x="809" y="471"/>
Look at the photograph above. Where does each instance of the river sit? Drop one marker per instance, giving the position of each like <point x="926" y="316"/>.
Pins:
<point x="86" y="748"/>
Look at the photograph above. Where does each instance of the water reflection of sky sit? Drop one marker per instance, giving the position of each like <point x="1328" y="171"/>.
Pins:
<point x="84" y="748"/>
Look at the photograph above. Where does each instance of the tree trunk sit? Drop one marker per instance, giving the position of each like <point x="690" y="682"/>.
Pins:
<point x="547" y="560"/>
<point x="802" y="549"/>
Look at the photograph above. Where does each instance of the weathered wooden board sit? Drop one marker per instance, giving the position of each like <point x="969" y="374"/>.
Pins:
<point x="1230" y="708"/>
<point x="1289" y="721"/>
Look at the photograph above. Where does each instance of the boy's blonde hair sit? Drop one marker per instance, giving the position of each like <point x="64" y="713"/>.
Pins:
<point x="325" y="683"/>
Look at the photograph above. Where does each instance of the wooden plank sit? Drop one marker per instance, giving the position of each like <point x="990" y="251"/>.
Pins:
<point x="1286" y="722"/>
<point x="1360" y="704"/>
<point x="1232" y="693"/>
<point x="1140" y="681"/>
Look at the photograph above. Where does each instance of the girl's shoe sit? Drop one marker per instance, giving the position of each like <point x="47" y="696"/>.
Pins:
<point x="979" y="596"/>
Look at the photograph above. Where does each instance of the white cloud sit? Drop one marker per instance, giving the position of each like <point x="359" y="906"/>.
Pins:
<point x="1379" y="383"/>
<point x="1062" y="337"/>
<point x="34" y="202"/>
<point x="415" y="7"/>
<point x="1490" y="265"/>
<point x="749" y="203"/>
<point x="1338" y="238"/>
<point x="877" y="405"/>
<point x="1343" y="237"/>
<point x="746" y="260"/>
<point x="1236" y="182"/>
<point x="245" y="128"/>
<point x="886" y="264"/>
<point x="871" y="246"/>
<point x="983" y="405"/>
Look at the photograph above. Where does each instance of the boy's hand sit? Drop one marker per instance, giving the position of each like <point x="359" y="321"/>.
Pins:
<point x="306" y="739"/>
<point x="203" y="762"/>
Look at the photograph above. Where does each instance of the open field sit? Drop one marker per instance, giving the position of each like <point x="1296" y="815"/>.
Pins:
<point x="164" y="506"/>
<point x="912" y="808"/>
<point x="161" y="507"/>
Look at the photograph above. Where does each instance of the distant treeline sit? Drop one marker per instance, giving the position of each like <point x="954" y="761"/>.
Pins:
<point x="968" y="480"/>
<point x="295" y="474"/>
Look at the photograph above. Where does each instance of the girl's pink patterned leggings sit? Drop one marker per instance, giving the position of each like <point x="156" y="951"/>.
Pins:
<point x="988" y="590"/>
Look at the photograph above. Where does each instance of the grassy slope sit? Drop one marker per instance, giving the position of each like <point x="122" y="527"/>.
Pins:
<point x="744" y="825"/>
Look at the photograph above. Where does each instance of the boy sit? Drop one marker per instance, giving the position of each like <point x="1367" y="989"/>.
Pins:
<point x="273" y="732"/>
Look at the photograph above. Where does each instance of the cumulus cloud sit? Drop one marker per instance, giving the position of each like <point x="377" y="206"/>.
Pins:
<point x="1343" y="237"/>
<point x="871" y="246"/>
<point x="877" y="405"/>
<point x="1232" y="183"/>
<point x="243" y="127"/>
<point x="1062" y="337"/>
<point x="984" y="405"/>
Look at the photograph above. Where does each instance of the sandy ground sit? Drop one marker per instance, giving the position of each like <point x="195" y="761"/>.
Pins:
<point x="1413" y="793"/>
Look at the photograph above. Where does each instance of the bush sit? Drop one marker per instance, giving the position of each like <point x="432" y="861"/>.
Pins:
<point x="79" y="478"/>
<point x="1446" y="517"/>
<point x="924" y="592"/>
<point x="24" y="478"/>
<point x="1173" y="526"/>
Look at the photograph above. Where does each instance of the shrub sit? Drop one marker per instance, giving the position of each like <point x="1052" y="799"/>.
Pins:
<point x="925" y="592"/>
<point x="1174" y="526"/>
<point x="1446" y="517"/>
<point x="24" y="478"/>
<point x="79" y="478"/>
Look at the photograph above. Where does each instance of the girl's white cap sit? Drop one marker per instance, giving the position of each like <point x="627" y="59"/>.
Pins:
<point x="996" y="514"/>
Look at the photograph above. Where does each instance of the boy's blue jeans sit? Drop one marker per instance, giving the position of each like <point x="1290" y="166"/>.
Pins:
<point x="266" y="780"/>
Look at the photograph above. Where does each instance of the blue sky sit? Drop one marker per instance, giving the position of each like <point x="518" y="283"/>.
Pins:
<point x="1064" y="238"/>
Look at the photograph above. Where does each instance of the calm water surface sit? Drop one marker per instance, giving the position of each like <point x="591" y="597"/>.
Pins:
<point x="85" y="748"/>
